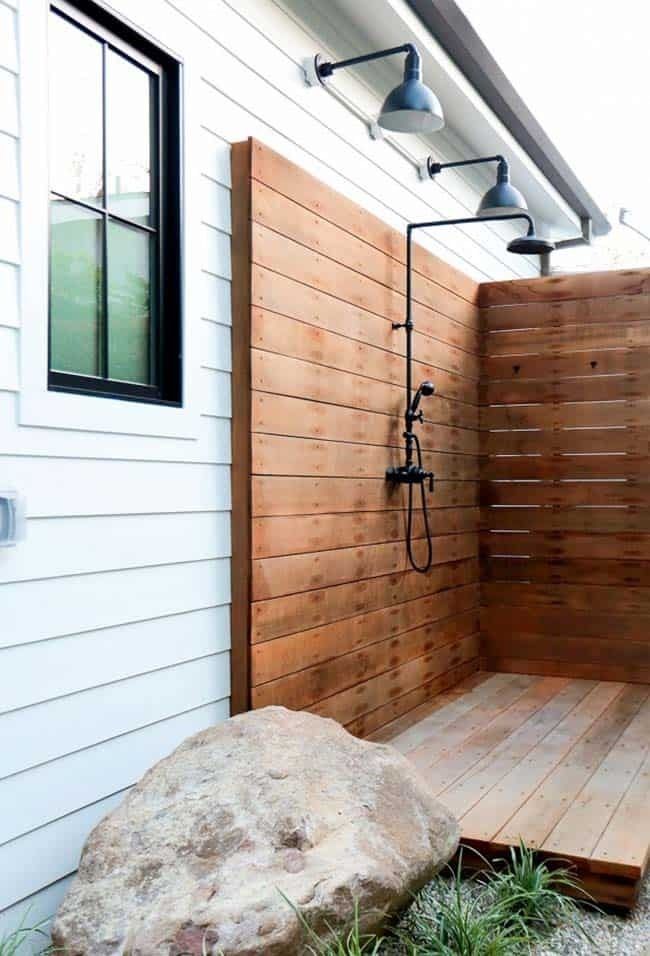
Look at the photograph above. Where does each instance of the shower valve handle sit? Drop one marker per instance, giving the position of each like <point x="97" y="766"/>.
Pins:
<point x="410" y="475"/>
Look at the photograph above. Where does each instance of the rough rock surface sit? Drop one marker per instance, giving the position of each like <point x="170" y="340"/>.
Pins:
<point x="196" y="858"/>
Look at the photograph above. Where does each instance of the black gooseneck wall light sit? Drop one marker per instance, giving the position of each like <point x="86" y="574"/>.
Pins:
<point x="411" y="107"/>
<point x="496" y="206"/>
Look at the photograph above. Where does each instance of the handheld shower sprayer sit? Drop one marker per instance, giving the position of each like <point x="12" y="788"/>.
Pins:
<point x="412" y="474"/>
<point x="425" y="388"/>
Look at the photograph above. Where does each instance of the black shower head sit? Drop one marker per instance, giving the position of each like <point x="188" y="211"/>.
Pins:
<point x="530" y="244"/>
<point x="427" y="388"/>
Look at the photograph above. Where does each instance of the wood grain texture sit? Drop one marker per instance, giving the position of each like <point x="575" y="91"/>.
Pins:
<point x="560" y="763"/>
<point x="565" y="458"/>
<point x="241" y="428"/>
<point x="337" y="622"/>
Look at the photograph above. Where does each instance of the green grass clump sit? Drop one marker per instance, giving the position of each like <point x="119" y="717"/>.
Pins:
<point x="461" y="918"/>
<point x="352" y="943"/>
<point x="535" y="892"/>
<point x="12" y="943"/>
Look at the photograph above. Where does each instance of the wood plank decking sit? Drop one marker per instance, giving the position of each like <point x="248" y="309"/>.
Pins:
<point x="562" y="763"/>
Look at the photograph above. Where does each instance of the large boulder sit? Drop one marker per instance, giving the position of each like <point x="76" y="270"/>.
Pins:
<point x="201" y="853"/>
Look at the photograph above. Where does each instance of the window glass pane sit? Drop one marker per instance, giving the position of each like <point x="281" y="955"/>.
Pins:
<point x="76" y="119"/>
<point x="129" y="303"/>
<point x="128" y="133"/>
<point x="75" y="288"/>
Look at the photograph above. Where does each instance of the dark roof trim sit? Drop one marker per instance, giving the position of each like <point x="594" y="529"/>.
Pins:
<point x="449" y="25"/>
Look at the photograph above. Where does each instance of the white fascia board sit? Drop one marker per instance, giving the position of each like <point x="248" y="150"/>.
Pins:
<point x="470" y="124"/>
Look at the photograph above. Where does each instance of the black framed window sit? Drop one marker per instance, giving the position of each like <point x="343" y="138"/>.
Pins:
<point x="115" y="210"/>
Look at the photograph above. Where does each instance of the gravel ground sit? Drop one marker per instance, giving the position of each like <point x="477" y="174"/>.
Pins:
<point x="610" y="935"/>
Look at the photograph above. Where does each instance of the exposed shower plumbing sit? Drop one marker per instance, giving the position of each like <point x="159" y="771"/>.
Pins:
<point x="502" y="203"/>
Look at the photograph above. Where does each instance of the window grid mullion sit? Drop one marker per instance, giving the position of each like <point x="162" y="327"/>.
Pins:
<point x="103" y="365"/>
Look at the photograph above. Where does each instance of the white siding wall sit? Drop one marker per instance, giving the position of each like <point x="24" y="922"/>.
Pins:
<point x="114" y="618"/>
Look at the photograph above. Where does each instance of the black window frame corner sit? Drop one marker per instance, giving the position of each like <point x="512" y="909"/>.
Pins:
<point x="167" y="313"/>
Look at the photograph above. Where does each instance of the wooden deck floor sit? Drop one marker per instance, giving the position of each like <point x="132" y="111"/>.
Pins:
<point x="564" y="764"/>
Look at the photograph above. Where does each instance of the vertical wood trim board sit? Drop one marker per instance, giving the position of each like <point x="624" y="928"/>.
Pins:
<point x="241" y="428"/>
<point x="565" y="497"/>
<point x="334" y="621"/>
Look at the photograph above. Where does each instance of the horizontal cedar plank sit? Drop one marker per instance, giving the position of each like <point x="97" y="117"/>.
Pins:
<point x="275" y="211"/>
<point x="625" y="574"/>
<point x="279" y="455"/>
<point x="292" y="534"/>
<point x="297" y="612"/>
<point x="354" y="702"/>
<point x="303" y="418"/>
<point x="565" y="467"/>
<point x="277" y="293"/>
<point x="566" y="494"/>
<point x="592" y="441"/>
<point x="602" y="388"/>
<point x="295" y="652"/>
<point x="272" y="332"/>
<point x="577" y="669"/>
<point x="297" y="184"/>
<point x="559" y="544"/>
<point x="283" y="215"/>
<point x="281" y="254"/>
<point x="543" y="315"/>
<point x="566" y="519"/>
<point x="561" y="415"/>
<point x="415" y="725"/>
<point x="564" y="622"/>
<point x="571" y="338"/>
<point x="274" y="495"/>
<point x="273" y="577"/>
<point x="630" y="655"/>
<point x="573" y="286"/>
<point x="307" y="687"/>
<point x="282" y="375"/>
<point x="577" y="597"/>
<point x="384" y="714"/>
<point x="547" y="367"/>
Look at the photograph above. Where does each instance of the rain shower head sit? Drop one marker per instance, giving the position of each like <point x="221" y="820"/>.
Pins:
<point x="530" y="244"/>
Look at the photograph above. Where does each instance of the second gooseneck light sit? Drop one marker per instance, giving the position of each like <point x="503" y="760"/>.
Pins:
<point x="500" y="204"/>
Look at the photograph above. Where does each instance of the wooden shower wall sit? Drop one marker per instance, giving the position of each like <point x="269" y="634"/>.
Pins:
<point x="566" y="476"/>
<point x="326" y="616"/>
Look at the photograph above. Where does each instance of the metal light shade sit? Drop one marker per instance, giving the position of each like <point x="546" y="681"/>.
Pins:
<point x="503" y="197"/>
<point x="412" y="107"/>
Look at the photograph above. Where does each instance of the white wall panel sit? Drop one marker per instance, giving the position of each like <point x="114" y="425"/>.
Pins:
<point x="73" y="487"/>
<point x="53" y="607"/>
<point x="37" y="672"/>
<point x="46" y="731"/>
<point x="8" y="102"/>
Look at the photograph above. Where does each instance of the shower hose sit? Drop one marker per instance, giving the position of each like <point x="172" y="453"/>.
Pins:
<point x="421" y="568"/>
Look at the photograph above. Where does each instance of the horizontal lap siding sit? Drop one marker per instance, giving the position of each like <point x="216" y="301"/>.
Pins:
<point x="115" y="643"/>
<point x="338" y="625"/>
<point x="565" y="499"/>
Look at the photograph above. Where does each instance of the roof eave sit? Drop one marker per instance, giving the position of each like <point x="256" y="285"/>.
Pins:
<point x="451" y="28"/>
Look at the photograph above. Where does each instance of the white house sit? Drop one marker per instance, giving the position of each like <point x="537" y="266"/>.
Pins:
<point x="115" y="125"/>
